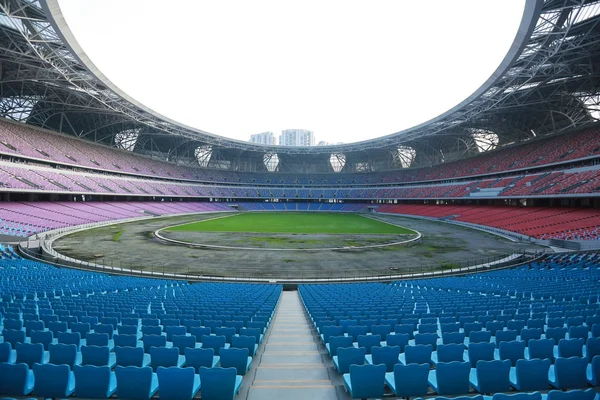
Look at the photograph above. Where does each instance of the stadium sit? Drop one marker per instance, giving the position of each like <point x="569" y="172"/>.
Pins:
<point x="142" y="258"/>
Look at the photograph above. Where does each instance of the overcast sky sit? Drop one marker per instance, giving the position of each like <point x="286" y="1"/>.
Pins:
<point x="347" y="70"/>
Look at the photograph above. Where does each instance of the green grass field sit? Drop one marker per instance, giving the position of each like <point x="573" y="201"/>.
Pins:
<point x="291" y="222"/>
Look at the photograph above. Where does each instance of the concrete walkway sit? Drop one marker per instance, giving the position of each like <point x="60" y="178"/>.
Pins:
<point x="292" y="365"/>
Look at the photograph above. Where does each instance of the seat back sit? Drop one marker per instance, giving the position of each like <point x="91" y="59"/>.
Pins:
<point x="256" y="332"/>
<point x="532" y="374"/>
<point x="512" y="351"/>
<point x="570" y="372"/>
<point x="63" y="354"/>
<point x="5" y="352"/>
<point x="331" y="330"/>
<point x="450" y="352"/>
<point x="480" y="337"/>
<point x="505" y="336"/>
<point x="411" y="380"/>
<point x="93" y="382"/>
<point x="528" y="334"/>
<point x="197" y="358"/>
<point x="163" y="357"/>
<point x="174" y="330"/>
<point x="249" y="342"/>
<point x="30" y="353"/>
<point x="493" y="376"/>
<point x="387" y="356"/>
<point x="578" y="332"/>
<point x="556" y="334"/>
<point x="354" y="331"/>
<point x="176" y="383"/>
<point x="427" y="338"/>
<point x="97" y="339"/>
<point x="70" y="338"/>
<point x="95" y="355"/>
<point x="350" y="355"/>
<point x="369" y="341"/>
<point x="589" y="394"/>
<point x="368" y="381"/>
<point x="43" y="337"/>
<point x="236" y="358"/>
<point x="214" y="342"/>
<point x="150" y="341"/>
<point x="123" y="340"/>
<point x="541" y="348"/>
<point x="398" y="339"/>
<point x="418" y="354"/>
<point x="33" y="326"/>
<point x="104" y="328"/>
<point x="13" y="379"/>
<point x="51" y="380"/>
<point x="82" y="328"/>
<point x="181" y="342"/>
<point x="592" y="348"/>
<point x="382" y="330"/>
<point x="570" y="348"/>
<point x="129" y="356"/>
<point x="218" y="383"/>
<point x="453" y="338"/>
<point x="453" y="378"/>
<point x="133" y="382"/>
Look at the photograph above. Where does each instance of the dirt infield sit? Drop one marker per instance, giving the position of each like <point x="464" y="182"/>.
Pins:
<point x="133" y="245"/>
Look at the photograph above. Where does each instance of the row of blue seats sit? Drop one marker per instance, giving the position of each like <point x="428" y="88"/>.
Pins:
<point x="97" y="382"/>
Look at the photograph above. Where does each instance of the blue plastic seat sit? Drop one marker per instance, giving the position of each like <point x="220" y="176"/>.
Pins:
<point x="592" y="348"/>
<point x="331" y="330"/>
<point x="150" y="341"/>
<point x="556" y="334"/>
<point x="151" y="330"/>
<point x="30" y="354"/>
<point x="248" y="342"/>
<point x="256" y="332"/>
<point x="136" y="383"/>
<point x="33" y="326"/>
<point x="530" y="375"/>
<point x="427" y="328"/>
<point x="452" y="327"/>
<point x="14" y="324"/>
<point x="494" y="326"/>
<point x="61" y="353"/>
<point x="512" y="351"/>
<point x="98" y="356"/>
<point x="336" y="342"/>
<point x="6" y="353"/>
<point x="491" y="376"/>
<point x="450" y="378"/>
<point x="381" y="330"/>
<point x="387" y="355"/>
<point x="70" y="338"/>
<point x="570" y="348"/>
<point x="215" y="342"/>
<point x="427" y="338"/>
<point x="505" y="336"/>
<point x="94" y="382"/>
<point x="398" y="339"/>
<point x="368" y="342"/>
<point x="105" y="328"/>
<point x="593" y="372"/>
<point x="181" y="342"/>
<point x="197" y="358"/>
<point x="589" y="394"/>
<point x="13" y="336"/>
<point x="479" y="337"/>
<point x="448" y="353"/>
<point x="518" y="396"/>
<point x="348" y="356"/>
<point x="528" y="334"/>
<point x="419" y="354"/>
<point x="472" y="327"/>
<point x="409" y="380"/>
<point x="124" y="340"/>
<point x="219" y="383"/>
<point x="365" y="381"/>
<point x="175" y="383"/>
<point x="453" y="338"/>
<point x="568" y="373"/>
<point x="131" y="357"/>
<point x="16" y="380"/>
<point x="54" y="381"/>
<point x="165" y="357"/>
<point x="82" y="328"/>
<point x="579" y="332"/>
<point x="99" y="339"/>
<point x="404" y="328"/>
<point x="483" y="351"/>
<point x="43" y="337"/>
<point x="540" y="348"/>
<point x="236" y="358"/>
<point x="174" y="330"/>
<point x="516" y="325"/>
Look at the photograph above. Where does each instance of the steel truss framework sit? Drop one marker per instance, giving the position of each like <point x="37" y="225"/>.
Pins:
<point x="548" y="83"/>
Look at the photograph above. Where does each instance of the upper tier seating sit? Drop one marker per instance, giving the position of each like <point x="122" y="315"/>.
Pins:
<point x="32" y="291"/>
<point x="561" y="291"/>
<point x="29" y="142"/>
<point x="26" y="219"/>
<point x="537" y="222"/>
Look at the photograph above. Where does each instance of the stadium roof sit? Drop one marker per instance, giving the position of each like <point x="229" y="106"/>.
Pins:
<point x="548" y="82"/>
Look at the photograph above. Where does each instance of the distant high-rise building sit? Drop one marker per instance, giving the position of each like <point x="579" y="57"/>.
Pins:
<point x="267" y="138"/>
<point x="296" y="137"/>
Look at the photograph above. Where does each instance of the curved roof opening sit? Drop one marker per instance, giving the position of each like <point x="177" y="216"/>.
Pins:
<point x="345" y="70"/>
